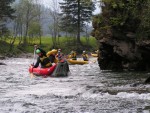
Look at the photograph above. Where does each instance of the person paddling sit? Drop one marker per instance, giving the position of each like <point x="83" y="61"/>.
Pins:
<point x="42" y="59"/>
<point x="73" y="55"/>
<point x="42" y="51"/>
<point x="85" y="56"/>
<point x="60" y="55"/>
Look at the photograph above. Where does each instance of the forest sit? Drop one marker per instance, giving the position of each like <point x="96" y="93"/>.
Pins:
<point x="24" y="23"/>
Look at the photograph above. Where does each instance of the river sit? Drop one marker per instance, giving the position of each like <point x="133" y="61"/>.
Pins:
<point x="86" y="90"/>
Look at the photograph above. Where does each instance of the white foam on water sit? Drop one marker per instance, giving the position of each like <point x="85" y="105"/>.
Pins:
<point x="17" y="89"/>
<point x="143" y="96"/>
<point x="123" y="95"/>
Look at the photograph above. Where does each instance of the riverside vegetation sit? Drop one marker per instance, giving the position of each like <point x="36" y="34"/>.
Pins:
<point x="66" y="44"/>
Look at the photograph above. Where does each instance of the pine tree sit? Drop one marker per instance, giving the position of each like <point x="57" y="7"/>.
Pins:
<point x="5" y="12"/>
<point x="75" y="14"/>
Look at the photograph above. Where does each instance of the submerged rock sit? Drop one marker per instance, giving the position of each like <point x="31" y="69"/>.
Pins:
<point x="2" y="63"/>
<point x="147" y="80"/>
<point x="2" y="57"/>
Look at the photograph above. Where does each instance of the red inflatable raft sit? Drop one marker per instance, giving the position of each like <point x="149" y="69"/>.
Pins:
<point x="42" y="71"/>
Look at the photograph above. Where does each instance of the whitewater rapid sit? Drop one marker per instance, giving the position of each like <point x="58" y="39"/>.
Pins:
<point x="86" y="90"/>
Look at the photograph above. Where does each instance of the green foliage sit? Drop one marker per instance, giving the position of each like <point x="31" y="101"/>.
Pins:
<point x="5" y="47"/>
<point x="122" y="17"/>
<point x="34" y="29"/>
<point x="144" y="28"/>
<point x="5" y="9"/>
<point x="47" y="45"/>
<point x="5" y="12"/>
<point x="75" y="14"/>
<point x="115" y="21"/>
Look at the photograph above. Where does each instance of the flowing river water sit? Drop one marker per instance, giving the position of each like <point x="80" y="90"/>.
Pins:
<point x="86" y="90"/>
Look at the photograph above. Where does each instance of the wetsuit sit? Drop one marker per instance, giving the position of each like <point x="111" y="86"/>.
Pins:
<point x="44" y="61"/>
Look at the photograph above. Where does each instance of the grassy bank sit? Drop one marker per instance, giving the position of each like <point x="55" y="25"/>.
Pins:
<point x="66" y="44"/>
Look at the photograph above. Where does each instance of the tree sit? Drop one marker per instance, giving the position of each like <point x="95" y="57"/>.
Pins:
<point x="119" y="18"/>
<point x="144" y="28"/>
<point x="54" y="27"/>
<point x="5" y="12"/>
<point x="75" y="15"/>
<point x="27" y="12"/>
<point x="5" y="9"/>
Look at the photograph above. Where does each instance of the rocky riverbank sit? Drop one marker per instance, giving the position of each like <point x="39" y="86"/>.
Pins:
<point x="121" y="54"/>
<point x="123" y="37"/>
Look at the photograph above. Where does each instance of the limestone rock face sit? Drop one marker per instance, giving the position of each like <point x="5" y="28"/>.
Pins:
<point x="122" y="54"/>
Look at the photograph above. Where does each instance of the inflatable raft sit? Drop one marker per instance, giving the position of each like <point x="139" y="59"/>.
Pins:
<point x="42" y="71"/>
<point x="61" y="70"/>
<point x="94" y="54"/>
<point x="80" y="62"/>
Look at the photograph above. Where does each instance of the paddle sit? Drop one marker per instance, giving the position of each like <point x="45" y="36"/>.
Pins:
<point x="94" y="61"/>
<point x="33" y="56"/>
<point x="31" y="73"/>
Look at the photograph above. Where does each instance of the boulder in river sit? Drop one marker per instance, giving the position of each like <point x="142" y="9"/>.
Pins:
<point x="2" y="63"/>
<point x="2" y="57"/>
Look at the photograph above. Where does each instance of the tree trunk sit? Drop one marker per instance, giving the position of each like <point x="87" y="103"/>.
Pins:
<point x="78" y="32"/>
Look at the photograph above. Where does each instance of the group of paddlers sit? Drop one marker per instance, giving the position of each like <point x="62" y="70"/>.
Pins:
<point x="54" y="56"/>
<point x="73" y="56"/>
<point x="46" y="59"/>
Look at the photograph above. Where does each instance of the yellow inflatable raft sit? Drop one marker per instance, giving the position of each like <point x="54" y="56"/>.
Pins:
<point x="94" y="54"/>
<point x="80" y="62"/>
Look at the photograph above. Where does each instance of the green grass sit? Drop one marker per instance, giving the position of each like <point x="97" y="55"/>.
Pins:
<point x="66" y="44"/>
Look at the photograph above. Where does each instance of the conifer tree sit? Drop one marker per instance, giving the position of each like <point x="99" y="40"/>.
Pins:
<point x="5" y="12"/>
<point x="75" y="14"/>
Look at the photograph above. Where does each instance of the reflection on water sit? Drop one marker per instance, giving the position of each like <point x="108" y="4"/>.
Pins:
<point x="86" y="90"/>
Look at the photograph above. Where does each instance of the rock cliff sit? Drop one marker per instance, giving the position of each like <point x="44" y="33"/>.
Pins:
<point x="121" y="54"/>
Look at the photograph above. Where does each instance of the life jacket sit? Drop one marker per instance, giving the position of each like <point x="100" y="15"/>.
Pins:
<point x="45" y="62"/>
<point x="85" y="57"/>
<point x="55" y="60"/>
<point x="73" y="56"/>
<point x="53" y="52"/>
<point x="59" y="56"/>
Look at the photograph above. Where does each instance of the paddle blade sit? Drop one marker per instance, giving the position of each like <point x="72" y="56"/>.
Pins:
<point x="94" y="61"/>
<point x="32" y="75"/>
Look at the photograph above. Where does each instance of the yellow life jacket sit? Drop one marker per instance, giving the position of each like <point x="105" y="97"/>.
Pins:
<point x="55" y="60"/>
<point x="85" y="57"/>
<point x="73" y="56"/>
<point x="45" y="61"/>
<point x="54" y="51"/>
